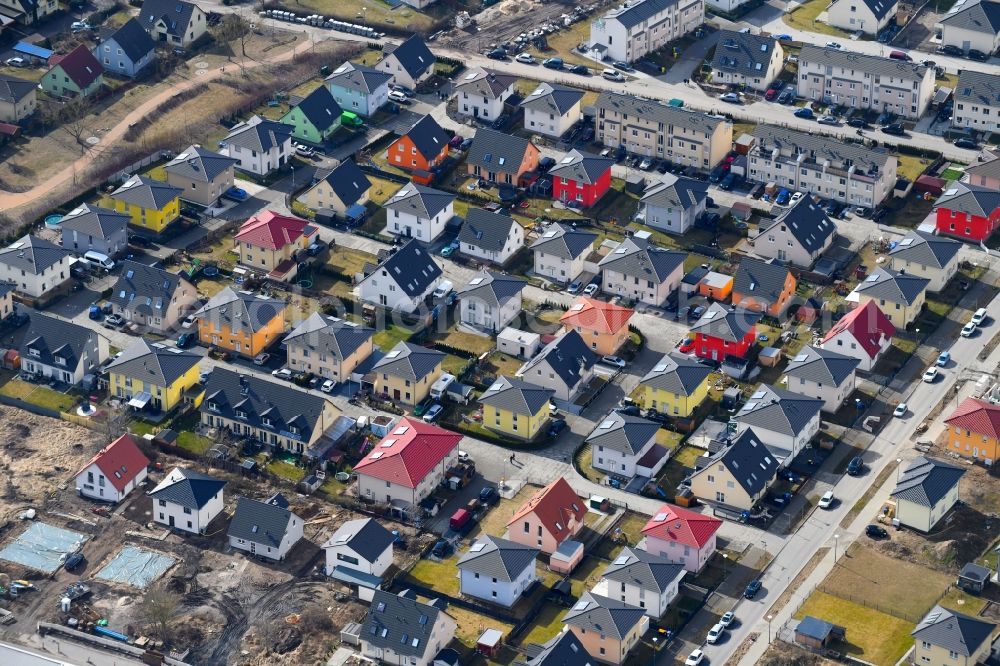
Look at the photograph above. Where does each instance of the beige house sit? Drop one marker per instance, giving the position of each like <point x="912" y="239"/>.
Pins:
<point x="400" y="630"/>
<point x="738" y="476"/>
<point x="153" y="297"/>
<point x="928" y="256"/>
<point x="340" y="189"/>
<point x="947" y="638"/>
<point x="17" y="99"/>
<point x="407" y="372"/>
<point x="607" y="628"/>
<point x="655" y="129"/>
<point x="6" y="299"/>
<point x="328" y="347"/>
<point x="561" y="251"/>
<point x="797" y="236"/>
<point x="203" y="175"/>
<point x="640" y="271"/>
<point x="899" y="295"/>
<point x="269" y="243"/>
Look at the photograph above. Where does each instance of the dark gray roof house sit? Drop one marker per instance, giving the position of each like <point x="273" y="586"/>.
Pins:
<point x="892" y="286"/>
<point x="873" y="65"/>
<point x="132" y="39"/>
<point x="743" y="53"/>
<point x="565" y="242"/>
<point x="401" y="623"/>
<point x="175" y="14"/>
<point x="516" y="396"/>
<point x="413" y="55"/>
<point x="627" y="434"/>
<point x="982" y="16"/>
<point x="975" y="87"/>
<point x="409" y="361"/>
<point x="260" y="522"/>
<point x="820" y="148"/>
<point x="926" y="481"/>
<point x="413" y="269"/>
<point x="748" y="460"/>
<point x="13" y="89"/>
<point x="324" y="335"/>
<point x="428" y="137"/>
<point x="823" y="366"/>
<point x="579" y="167"/>
<point x="808" y="223"/>
<point x="93" y="221"/>
<point x="761" y="281"/>
<point x="365" y="536"/>
<point x="552" y="98"/>
<point x="486" y="230"/>
<point x="154" y="363"/>
<point x="971" y="199"/>
<point x="198" y="164"/>
<point x="565" y="649"/>
<point x="348" y="182"/>
<point x="485" y="83"/>
<point x="145" y="289"/>
<point x="650" y="572"/>
<point x="567" y="357"/>
<point x="675" y="191"/>
<point x="497" y="152"/>
<point x="778" y="410"/>
<point x="60" y="344"/>
<point x="146" y="193"/>
<point x="258" y="134"/>
<point x="632" y="14"/>
<point x="187" y="488"/>
<point x="676" y="373"/>
<point x="952" y="631"/>
<point x="638" y="258"/>
<point x="495" y="289"/>
<point x="240" y="310"/>
<point x="498" y="558"/>
<point x="604" y="616"/>
<point x="659" y="112"/>
<point x="731" y="325"/>
<point x="419" y="200"/>
<point x="321" y="109"/>
<point x="358" y="77"/>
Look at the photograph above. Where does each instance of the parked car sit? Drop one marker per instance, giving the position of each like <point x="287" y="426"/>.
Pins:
<point x="303" y="150"/>
<point x="783" y="37"/>
<point x="786" y="96"/>
<point x="423" y="406"/>
<point x="876" y="532"/>
<point x="978" y="55"/>
<point x="943" y="358"/>
<point x="630" y="410"/>
<point x="979" y="316"/>
<point x="900" y="410"/>
<point x="731" y="97"/>
<point x="900" y="55"/>
<point x="16" y="61"/>
<point x="185" y="340"/>
<point x="895" y="129"/>
<point x="715" y="633"/>
<point x="752" y="588"/>
<point x="327" y="386"/>
<point x="931" y="373"/>
<point x="624" y="66"/>
<point x="968" y="330"/>
<point x="783" y="196"/>
<point x="236" y="194"/>
<point x="574" y="287"/>
<point x="398" y="97"/>
<point x="497" y="54"/>
<point x="828" y="120"/>
<point x="796" y="197"/>
<point x="552" y="63"/>
<point x="73" y="561"/>
<point x="582" y="70"/>
<point x="833" y="45"/>
<point x="968" y="144"/>
<point x="315" y="248"/>
<point x="856" y="466"/>
<point x="442" y="549"/>
<point x="695" y="658"/>
<point x="612" y="75"/>
<point x="526" y="58"/>
<point x="826" y="501"/>
<point x="727" y="619"/>
<point x="805" y="112"/>
<point x="282" y="373"/>
<point x="860" y="123"/>
<point x="556" y="427"/>
<point x="613" y="360"/>
<point x="771" y="94"/>
<point x="488" y="496"/>
<point x="261" y="359"/>
<point x="114" y="321"/>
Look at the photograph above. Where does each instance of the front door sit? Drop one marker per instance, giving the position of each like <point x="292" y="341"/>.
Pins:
<point x="395" y="394"/>
<point x="171" y="521"/>
<point x="253" y="547"/>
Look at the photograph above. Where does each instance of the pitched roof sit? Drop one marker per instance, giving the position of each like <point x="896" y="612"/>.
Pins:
<point x="552" y="98"/>
<point x="120" y="461"/>
<point x="977" y="416"/>
<point x="428" y="137"/>
<point x="591" y="314"/>
<point x="32" y="254"/>
<point x="563" y="241"/>
<point x="895" y="287"/>
<point x="565" y="649"/>
<point x="80" y="66"/>
<point x="419" y="200"/>
<point x="493" y="288"/>
<point x="273" y="231"/>
<point x="498" y="558"/>
<point x="629" y="435"/>
<point x="348" y="182"/>
<point x="637" y="257"/>
<point x="409" y="361"/>
<point x="971" y="199"/>
<point x="926" y="249"/>
<point x="724" y="323"/>
<point x="187" y="488"/>
<point x="408" y="453"/>
<point x="400" y="623"/>
<point x="145" y="289"/>
<point x="486" y="230"/>
<point x="880" y="8"/>
<point x="411" y="267"/>
<point x="13" y="89"/>
<point x="953" y="631"/>
<point x="133" y="39"/>
<point x="822" y="366"/>
<point x="154" y="364"/>
<point x="602" y="615"/>
<point x="260" y="522"/>
<point x="365" y="536"/>
<point x="673" y="190"/>
<point x="988" y="165"/>
<point x="196" y="163"/>
<point x="320" y="109"/>
<point x="324" y="335"/>
<point x="517" y="396"/>
<point x="484" y="83"/>
<point x="58" y="338"/>
<point x="659" y="112"/>
<point x="258" y="134"/>
<point x="820" y="148"/>
<point x="926" y="481"/>
<point x="676" y="373"/>
<point x="413" y="55"/>
<point x="860" y="62"/>
<point x="978" y="88"/>
<point x="748" y="460"/>
<point x="94" y="221"/>
<point x="358" y="77"/>
<point x="764" y="281"/>
<point x="567" y="356"/>
<point x="240" y="311"/>
<point x="983" y="16"/>
<point x="146" y="193"/>
<point x="744" y="53"/>
<point x="776" y="409"/>
<point x="496" y="151"/>
<point x="580" y="167"/>
<point x="866" y="324"/>
<point x="554" y="506"/>
<point x="175" y="14"/>
<point x="683" y="526"/>
<point x="631" y="15"/>
<point x="6" y="288"/>
<point x="808" y="223"/>
<point x="645" y="570"/>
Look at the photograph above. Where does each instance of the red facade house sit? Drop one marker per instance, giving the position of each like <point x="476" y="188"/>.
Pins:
<point x="421" y="150"/>
<point x="581" y="179"/>
<point x="970" y="212"/>
<point x="721" y="332"/>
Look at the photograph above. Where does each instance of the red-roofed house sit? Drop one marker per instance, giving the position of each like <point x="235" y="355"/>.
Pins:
<point x="553" y="515"/>
<point x="603" y="325"/>
<point x="114" y="472"/>
<point x="863" y="333"/>
<point x="408" y="463"/>
<point x="974" y="430"/>
<point x="682" y="536"/>
<point x="78" y="73"/>
<point x="268" y="242"/>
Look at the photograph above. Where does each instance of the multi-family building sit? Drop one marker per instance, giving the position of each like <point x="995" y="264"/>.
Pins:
<point x="631" y="30"/>
<point x="977" y="101"/>
<point x="745" y="59"/>
<point x="784" y="420"/>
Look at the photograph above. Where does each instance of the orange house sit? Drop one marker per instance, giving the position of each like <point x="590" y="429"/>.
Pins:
<point x="241" y="322"/>
<point x="762" y="286"/>
<point x="716" y="286"/>
<point x="603" y="326"/>
<point x="501" y="158"/>
<point x="420" y="151"/>
<point x="974" y="430"/>
<point x="552" y="515"/>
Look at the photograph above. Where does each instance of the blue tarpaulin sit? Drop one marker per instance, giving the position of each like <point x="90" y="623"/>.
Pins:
<point x="42" y="547"/>
<point x="32" y="50"/>
<point x="137" y="567"/>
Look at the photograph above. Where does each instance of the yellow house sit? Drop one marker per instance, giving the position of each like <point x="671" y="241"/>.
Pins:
<point x="947" y="638"/>
<point x="723" y="478"/>
<point x="274" y="243"/>
<point x="155" y="377"/>
<point x="516" y="408"/>
<point x="607" y="628"/>
<point x="151" y="204"/>
<point x="241" y="322"/>
<point x="676" y="386"/>
<point x="899" y="295"/>
<point x="407" y="373"/>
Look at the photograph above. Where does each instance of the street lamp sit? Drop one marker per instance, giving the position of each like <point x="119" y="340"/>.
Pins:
<point x="836" y="540"/>
<point x="769" y="618"/>
<point x="899" y="462"/>
<point x="652" y="659"/>
<point x="725" y="561"/>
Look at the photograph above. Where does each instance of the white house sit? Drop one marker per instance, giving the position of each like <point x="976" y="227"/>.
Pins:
<point x="490" y="301"/>
<point x="823" y="374"/>
<point x="265" y="529"/>
<point x="867" y="16"/>
<point x="928" y="256"/>
<point x="187" y="500"/>
<point x="113" y="472"/>
<point x="631" y="30"/>
<point x="260" y="146"/>
<point x="972" y="25"/>
<point x="362" y="544"/>
<point x="641" y="271"/>
<point x="359" y="89"/>
<point x="798" y="236"/>
<point x="745" y="59"/>
<point x="560" y="252"/>
<point x="490" y="236"/>
<point x="682" y="536"/>
<point x="61" y="350"/>
<point x="625" y="446"/>
<point x="497" y="570"/>
<point x="400" y="630"/>
<point x="418" y="211"/>
<point x="785" y="421"/>
<point x="551" y="109"/>
<point x="926" y="492"/>
<point x="35" y="265"/>
<point x="409" y="63"/>
<point x="977" y="101"/>
<point x="864" y="333"/>
<point x="482" y="93"/>
<point x="641" y="579"/>
<point x="673" y="203"/>
<point x="403" y="281"/>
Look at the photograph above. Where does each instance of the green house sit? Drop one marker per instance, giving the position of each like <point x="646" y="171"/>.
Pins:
<point x="78" y="73"/>
<point x="315" y="118"/>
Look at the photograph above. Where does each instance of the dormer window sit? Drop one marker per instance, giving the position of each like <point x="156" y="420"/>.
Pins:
<point x="213" y="406"/>
<point x="59" y="360"/>
<point x="240" y="414"/>
<point x="34" y="352"/>
<point x="266" y="421"/>
<point x="293" y="429"/>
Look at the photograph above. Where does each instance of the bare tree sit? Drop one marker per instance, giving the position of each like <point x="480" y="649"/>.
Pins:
<point x="159" y="608"/>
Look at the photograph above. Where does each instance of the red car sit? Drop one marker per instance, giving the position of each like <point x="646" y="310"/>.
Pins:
<point x="771" y="94"/>
<point x="686" y="345"/>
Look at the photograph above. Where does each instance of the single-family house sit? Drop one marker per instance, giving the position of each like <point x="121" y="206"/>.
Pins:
<point x="945" y="637"/>
<point x="497" y="570"/>
<point x="113" y="472"/>
<point x="898" y="294"/>
<point x="150" y="204"/>
<point x="551" y="109"/>
<point x="641" y="271"/>
<point x="315" y="118"/>
<point x="967" y="211"/>
<point x="640" y="578"/>
<point x="681" y="536"/>
<point x="178" y="23"/>
<point x="798" y="236"/>
<point x="400" y="630"/>
<point x="202" y="175"/>
<point x="738" y="475"/>
<point x="362" y="545"/>
<point x="127" y="50"/>
<point x="76" y="74"/>
<point x="925" y="492"/>
<point x="763" y="286"/>
<point x="747" y="60"/>
<point x="421" y="150"/>
<point x="516" y="408"/>
<point x="625" y="446"/>
<point x="259" y="146"/>
<point x="7" y="300"/>
<point x="408" y="464"/>
<point x="482" y="93"/>
<point x="673" y="203"/>
<point x="156" y="375"/>
<point x="88" y="227"/>
<point x="985" y="171"/>
<point x="560" y="252"/>
<point x="187" y="500"/>
<point x="359" y="89"/>
<point x="552" y="515"/>
<point x="864" y="333"/>
<point x="580" y="179"/>
<point x="403" y="280"/>
<point x="603" y="325"/>
<point x="60" y="350"/>
<point x="974" y="430"/>
<point x="977" y="101"/>
<point x="501" y="158"/>
<point x="867" y="16"/>
<point x="491" y="301"/>
<point x="785" y="421"/>
<point x="328" y="347"/>
<point x="273" y="244"/>
<point x="722" y="332"/>
<point x="564" y="649"/>
<point x="241" y="322"/>
<point x="607" y="628"/>
<point x="152" y="297"/>
<point x="565" y="365"/>
<point x="677" y="385"/>
<point x="822" y="373"/>
<point x="17" y="99"/>
<point x="27" y="12"/>
<point x="972" y="26"/>
<point x="344" y="186"/>
<point x="418" y="211"/>
<point x="35" y="265"/>
<point x="490" y="236"/>
<point x="409" y="63"/>
<point x="407" y="372"/>
<point x="264" y="528"/>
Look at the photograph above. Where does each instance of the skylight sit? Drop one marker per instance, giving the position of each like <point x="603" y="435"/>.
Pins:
<point x="757" y="395"/>
<point x="376" y="455"/>
<point x="660" y="367"/>
<point x="388" y="443"/>
<point x="476" y="547"/>
<point x="660" y="517"/>
<point x="621" y="559"/>
<point x="496" y="386"/>
<point x="800" y="358"/>
<point x="401" y="430"/>
<point x="609" y="423"/>
<point x="478" y="280"/>
<point x="581" y="605"/>
<point x="393" y="354"/>
<point x="549" y="234"/>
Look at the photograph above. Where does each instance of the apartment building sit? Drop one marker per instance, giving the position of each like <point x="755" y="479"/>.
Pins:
<point x="826" y="167"/>
<point x="977" y="101"/>
<point x="633" y="29"/>
<point x="656" y="130"/>
<point x="865" y="81"/>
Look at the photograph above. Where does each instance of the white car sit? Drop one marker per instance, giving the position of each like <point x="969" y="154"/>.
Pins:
<point x="646" y="164"/>
<point x="397" y="97"/>
<point x="591" y="289"/>
<point x="833" y="45"/>
<point x="526" y="58"/>
<point x="900" y="410"/>
<point x="613" y="360"/>
<point x="731" y="97"/>
<point x="727" y="619"/>
<point x="15" y="62"/>
<point x="188" y="321"/>
<point x="694" y="658"/>
<point x="282" y="373"/>
<point x="968" y="330"/>
<point x="715" y="633"/>
<point x="931" y="374"/>
<point x="261" y="359"/>
<point x="979" y="316"/>
<point x="327" y="386"/>
<point x="826" y="501"/>
<point x="795" y="198"/>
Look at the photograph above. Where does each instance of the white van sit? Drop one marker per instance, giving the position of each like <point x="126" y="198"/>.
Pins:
<point x="98" y="259"/>
<point x="612" y="75"/>
<point x="979" y="317"/>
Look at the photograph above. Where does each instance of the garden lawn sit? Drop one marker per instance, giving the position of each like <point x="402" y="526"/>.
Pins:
<point x="911" y="167"/>
<point x="586" y="575"/>
<point x="963" y="602"/>
<point x="631" y="527"/>
<point x="286" y="470"/>
<point x="505" y="364"/>
<point x="470" y="342"/>
<point x="194" y="442"/>
<point x="454" y="365"/>
<point x="495" y="520"/>
<point x="545" y="626"/>
<point x="390" y="336"/>
<point x="347" y="261"/>
<point x="41" y="396"/>
<point x="438" y="576"/>
<point x="585" y="464"/>
<point x="804" y="18"/>
<point x="472" y="625"/>
<point x="872" y="636"/>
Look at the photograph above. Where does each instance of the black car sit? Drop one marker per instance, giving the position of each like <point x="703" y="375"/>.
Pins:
<point x="786" y="97"/>
<point x="73" y="561"/>
<point x="556" y="427"/>
<point x="630" y="410"/>
<point x="138" y="241"/>
<point x="968" y="144"/>
<point x="895" y="129"/>
<point x="315" y="248"/>
<point x="501" y="121"/>
<point x="497" y="54"/>
<point x="579" y="69"/>
<point x="546" y="163"/>
<point x="442" y="549"/>
<point x="951" y="50"/>
<point x="876" y="532"/>
<point x="978" y="55"/>
<point x="856" y="466"/>
<point x="488" y="496"/>
<point x="185" y="340"/>
<point x="860" y="123"/>
<point x="663" y="167"/>
<point x="753" y="587"/>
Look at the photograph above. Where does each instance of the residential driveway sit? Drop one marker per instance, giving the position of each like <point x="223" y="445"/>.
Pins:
<point x="691" y="59"/>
